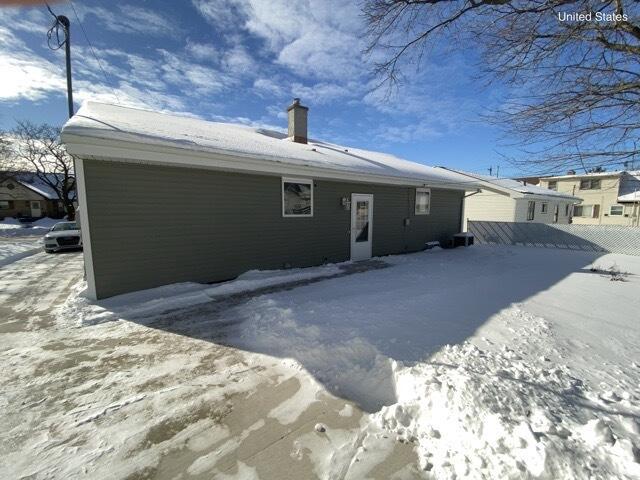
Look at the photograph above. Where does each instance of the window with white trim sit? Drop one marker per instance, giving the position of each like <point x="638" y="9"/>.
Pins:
<point x="553" y="185"/>
<point x="544" y="207"/>
<point x="531" y="211"/>
<point x="587" y="211"/>
<point x="297" y="197"/>
<point x="616" y="210"/>
<point x="423" y="201"/>
<point x="5" y="205"/>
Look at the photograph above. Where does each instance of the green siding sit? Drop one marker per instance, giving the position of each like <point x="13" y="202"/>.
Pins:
<point x="154" y="225"/>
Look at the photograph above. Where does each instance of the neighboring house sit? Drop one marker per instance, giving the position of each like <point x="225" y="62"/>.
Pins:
<point x="23" y="194"/>
<point x="166" y="199"/>
<point x="608" y="198"/>
<point x="515" y="201"/>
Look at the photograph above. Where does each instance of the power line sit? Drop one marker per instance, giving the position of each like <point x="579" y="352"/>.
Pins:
<point x="106" y="76"/>
<point x="55" y="31"/>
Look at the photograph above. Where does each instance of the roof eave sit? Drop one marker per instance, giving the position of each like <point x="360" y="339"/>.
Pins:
<point x="85" y="146"/>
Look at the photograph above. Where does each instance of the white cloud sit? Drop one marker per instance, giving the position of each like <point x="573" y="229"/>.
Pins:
<point x="268" y="87"/>
<point x="194" y="78"/>
<point x="238" y="60"/>
<point x="125" y="19"/>
<point x="406" y="133"/>
<point x="24" y="74"/>
<point x="221" y="13"/>
<point x="312" y="38"/>
<point x="203" y="51"/>
<point x="133" y="80"/>
<point x="25" y="19"/>
<point x="323" y="92"/>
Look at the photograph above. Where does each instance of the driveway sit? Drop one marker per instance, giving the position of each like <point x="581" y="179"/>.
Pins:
<point x="126" y="400"/>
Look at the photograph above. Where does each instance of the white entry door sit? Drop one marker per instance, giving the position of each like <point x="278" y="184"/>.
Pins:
<point x="361" y="226"/>
<point x="36" y="211"/>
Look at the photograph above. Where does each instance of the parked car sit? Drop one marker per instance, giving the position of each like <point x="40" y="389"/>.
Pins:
<point x="63" y="236"/>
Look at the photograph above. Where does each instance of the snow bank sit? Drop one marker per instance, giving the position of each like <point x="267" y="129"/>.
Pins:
<point x="153" y="302"/>
<point x="15" y="250"/>
<point x="10" y="227"/>
<point x="474" y="413"/>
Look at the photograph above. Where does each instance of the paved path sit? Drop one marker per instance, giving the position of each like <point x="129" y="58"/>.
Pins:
<point x="123" y="400"/>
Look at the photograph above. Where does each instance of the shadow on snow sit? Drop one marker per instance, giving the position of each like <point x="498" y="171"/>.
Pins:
<point x="349" y="329"/>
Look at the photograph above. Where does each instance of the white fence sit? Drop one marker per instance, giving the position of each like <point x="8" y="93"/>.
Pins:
<point x="599" y="238"/>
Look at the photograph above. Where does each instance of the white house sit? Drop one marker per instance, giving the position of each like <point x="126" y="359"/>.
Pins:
<point x="515" y="201"/>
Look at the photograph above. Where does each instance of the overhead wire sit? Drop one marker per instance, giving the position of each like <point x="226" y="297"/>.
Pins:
<point x="106" y="76"/>
<point x="54" y="31"/>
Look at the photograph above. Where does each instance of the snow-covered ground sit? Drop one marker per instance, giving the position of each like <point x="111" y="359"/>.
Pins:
<point x="486" y="362"/>
<point x="10" y="227"/>
<point x="14" y="250"/>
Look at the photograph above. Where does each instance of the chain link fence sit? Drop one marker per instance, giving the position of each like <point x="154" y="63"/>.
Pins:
<point x="598" y="238"/>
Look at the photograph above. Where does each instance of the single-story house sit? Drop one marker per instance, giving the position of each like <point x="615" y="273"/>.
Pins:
<point x="24" y="194"/>
<point x="167" y="198"/>
<point x="516" y="201"/>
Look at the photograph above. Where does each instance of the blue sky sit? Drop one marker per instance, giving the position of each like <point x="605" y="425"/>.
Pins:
<point x="243" y="61"/>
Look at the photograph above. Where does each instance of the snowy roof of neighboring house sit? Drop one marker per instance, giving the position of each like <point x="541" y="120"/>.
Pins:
<point x="630" y="187"/>
<point x="581" y="175"/>
<point x="517" y="186"/>
<point x="104" y="131"/>
<point x="35" y="183"/>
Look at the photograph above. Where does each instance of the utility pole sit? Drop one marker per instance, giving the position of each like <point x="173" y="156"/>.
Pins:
<point x="67" y="50"/>
<point x="490" y="171"/>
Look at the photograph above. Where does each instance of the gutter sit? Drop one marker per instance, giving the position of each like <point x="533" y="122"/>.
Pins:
<point x="462" y="220"/>
<point x="129" y="151"/>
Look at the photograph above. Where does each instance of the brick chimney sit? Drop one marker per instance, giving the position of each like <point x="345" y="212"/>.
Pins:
<point x="297" y="115"/>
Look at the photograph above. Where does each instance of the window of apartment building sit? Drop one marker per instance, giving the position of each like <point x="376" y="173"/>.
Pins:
<point x="553" y="185"/>
<point x="616" y="210"/>
<point x="586" y="211"/>
<point x="531" y="211"/>
<point x="423" y="201"/>
<point x="544" y="207"/>
<point x="590" y="184"/>
<point x="297" y="197"/>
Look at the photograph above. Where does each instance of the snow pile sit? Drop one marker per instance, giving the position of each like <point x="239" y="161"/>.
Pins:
<point x="10" y="227"/>
<point x="153" y="302"/>
<point x="12" y="251"/>
<point x="475" y="413"/>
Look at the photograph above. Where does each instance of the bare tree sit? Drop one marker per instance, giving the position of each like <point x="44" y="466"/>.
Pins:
<point x="574" y="83"/>
<point x="36" y="149"/>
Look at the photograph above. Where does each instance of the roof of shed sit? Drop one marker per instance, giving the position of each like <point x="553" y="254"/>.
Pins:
<point x="258" y="146"/>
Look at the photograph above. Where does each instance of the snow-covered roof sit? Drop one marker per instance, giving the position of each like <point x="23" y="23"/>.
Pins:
<point x="251" y="148"/>
<point x="517" y="186"/>
<point x="629" y="190"/>
<point x="35" y="183"/>
<point x="31" y="181"/>
<point x="614" y="173"/>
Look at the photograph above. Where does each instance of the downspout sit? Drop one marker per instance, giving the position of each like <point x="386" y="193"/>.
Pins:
<point x="462" y="219"/>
